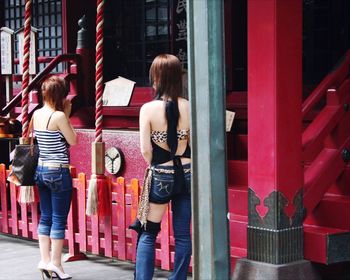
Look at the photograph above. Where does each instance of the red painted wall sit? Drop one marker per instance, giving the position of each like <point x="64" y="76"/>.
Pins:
<point x="126" y="140"/>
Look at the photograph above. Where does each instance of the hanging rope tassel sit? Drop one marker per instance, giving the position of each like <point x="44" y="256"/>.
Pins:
<point x="99" y="198"/>
<point x="91" y="205"/>
<point x="99" y="201"/>
<point x="26" y="193"/>
<point x="103" y="196"/>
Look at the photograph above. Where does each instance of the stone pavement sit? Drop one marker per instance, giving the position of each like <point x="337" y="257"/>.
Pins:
<point x="19" y="258"/>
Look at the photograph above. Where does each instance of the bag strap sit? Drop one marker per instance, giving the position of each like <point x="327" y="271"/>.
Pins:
<point x="31" y="130"/>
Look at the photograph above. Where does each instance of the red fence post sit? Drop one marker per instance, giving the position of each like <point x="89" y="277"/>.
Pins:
<point x="121" y="208"/>
<point x="3" y="195"/>
<point x="35" y="220"/>
<point x="165" y="241"/>
<point x="77" y="226"/>
<point x="108" y="226"/>
<point x="73" y="246"/>
<point x="95" y="233"/>
<point x="14" y="217"/>
<point x="81" y="192"/>
<point x="24" y="220"/>
<point x="134" y="187"/>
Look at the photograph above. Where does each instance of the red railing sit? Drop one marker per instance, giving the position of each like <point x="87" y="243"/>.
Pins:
<point x="107" y="236"/>
<point x="40" y="59"/>
<point x="326" y="137"/>
<point x="36" y="82"/>
<point x="333" y="79"/>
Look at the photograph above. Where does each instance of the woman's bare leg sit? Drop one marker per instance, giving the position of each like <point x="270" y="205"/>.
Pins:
<point x="57" y="246"/>
<point x="156" y="212"/>
<point x="44" y="245"/>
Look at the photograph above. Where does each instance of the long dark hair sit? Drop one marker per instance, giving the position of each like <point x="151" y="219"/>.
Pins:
<point x="165" y="75"/>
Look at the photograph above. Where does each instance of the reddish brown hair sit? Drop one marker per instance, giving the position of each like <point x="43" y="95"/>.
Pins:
<point x="54" y="89"/>
<point x="166" y="75"/>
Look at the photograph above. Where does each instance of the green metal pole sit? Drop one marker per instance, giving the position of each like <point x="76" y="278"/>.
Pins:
<point x="207" y="96"/>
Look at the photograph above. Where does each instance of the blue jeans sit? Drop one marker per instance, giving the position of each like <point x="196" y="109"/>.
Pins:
<point x="181" y="208"/>
<point x="55" y="190"/>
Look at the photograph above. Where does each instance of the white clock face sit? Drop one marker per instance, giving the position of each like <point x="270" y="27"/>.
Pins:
<point x="113" y="160"/>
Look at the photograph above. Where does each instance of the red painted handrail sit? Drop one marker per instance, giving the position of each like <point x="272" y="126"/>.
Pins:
<point x="335" y="77"/>
<point x="40" y="59"/>
<point x="325" y="159"/>
<point x="40" y="77"/>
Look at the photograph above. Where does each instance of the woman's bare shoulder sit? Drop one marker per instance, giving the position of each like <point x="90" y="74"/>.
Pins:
<point x="58" y="115"/>
<point x="58" y="118"/>
<point x="183" y="102"/>
<point x="152" y="104"/>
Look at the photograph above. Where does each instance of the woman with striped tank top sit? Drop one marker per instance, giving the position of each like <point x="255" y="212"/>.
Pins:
<point x="54" y="134"/>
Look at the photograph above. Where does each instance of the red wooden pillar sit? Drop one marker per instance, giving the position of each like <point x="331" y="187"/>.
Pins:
<point x="275" y="175"/>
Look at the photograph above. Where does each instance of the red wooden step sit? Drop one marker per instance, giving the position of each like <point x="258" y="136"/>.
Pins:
<point x="84" y="118"/>
<point x="238" y="237"/>
<point x="230" y="145"/>
<point x="333" y="211"/>
<point x="237" y="146"/>
<point x="331" y="134"/>
<point x="326" y="245"/>
<point x="238" y="230"/>
<point x="238" y="200"/>
<point x="320" y="175"/>
<point x="237" y="252"/>
<point x="237" y="172"/>
<point x="317" y="131"/>
<point x="237" y="101"/>
<point x="341" y="185"/>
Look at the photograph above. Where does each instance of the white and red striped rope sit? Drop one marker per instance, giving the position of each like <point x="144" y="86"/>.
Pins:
<point x="99" y="70"/>
<point x="25" y="69"/>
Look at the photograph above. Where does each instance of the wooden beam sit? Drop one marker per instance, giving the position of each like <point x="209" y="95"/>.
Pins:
<point x="208" y="139"/>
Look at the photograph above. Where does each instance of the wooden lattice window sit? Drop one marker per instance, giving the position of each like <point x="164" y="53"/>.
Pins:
<point x="138" y="30"/>
<point x="47" y="17"/>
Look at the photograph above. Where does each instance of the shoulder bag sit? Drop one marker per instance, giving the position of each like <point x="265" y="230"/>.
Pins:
<point x="25" y="160"/>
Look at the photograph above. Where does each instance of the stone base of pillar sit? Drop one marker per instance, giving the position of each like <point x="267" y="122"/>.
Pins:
<point x="248" y="270"/>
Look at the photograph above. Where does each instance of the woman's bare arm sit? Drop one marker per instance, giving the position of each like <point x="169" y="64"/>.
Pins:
<point x="66" y="128"/>
<point x="145" y="134"/>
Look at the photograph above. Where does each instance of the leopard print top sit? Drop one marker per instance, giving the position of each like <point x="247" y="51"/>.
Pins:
<point x="161" y="136"/>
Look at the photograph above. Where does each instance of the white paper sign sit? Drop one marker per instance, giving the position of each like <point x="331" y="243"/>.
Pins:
<point x="118" y="92"/>
<point x="6" y="43"/>
<point x="32" y="55"/>
<point x="229" y="120"/>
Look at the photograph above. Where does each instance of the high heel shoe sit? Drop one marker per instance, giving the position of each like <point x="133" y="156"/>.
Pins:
<point x="51" y="268"/>
<point x="42" y="266"/>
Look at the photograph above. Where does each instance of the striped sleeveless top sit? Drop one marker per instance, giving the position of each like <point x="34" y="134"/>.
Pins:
<point x="53" y="147"/>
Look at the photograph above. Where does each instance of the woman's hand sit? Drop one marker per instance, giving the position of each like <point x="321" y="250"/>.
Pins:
<point x="67" y="107"/>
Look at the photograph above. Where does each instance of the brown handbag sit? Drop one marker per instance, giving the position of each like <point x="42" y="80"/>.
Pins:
<point x="25" y="161"/>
